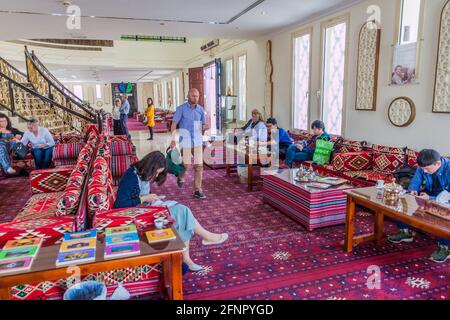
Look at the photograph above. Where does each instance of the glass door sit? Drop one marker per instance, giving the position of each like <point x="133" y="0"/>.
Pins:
<point x="211" y="83"/>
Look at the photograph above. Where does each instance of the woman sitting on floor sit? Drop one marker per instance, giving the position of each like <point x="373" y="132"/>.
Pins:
<point x="8" y="135"/>
<point x="134" y="190"/>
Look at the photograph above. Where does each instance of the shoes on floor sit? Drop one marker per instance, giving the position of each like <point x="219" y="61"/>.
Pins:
<point x="199" y="195"/>
<point x="223" y="238"/>
<point x="402" y="236"/>
<point x="180" y="183"/>
<point x="195" y="267"/>
<point x="441" y="254"/>
<point x="149" y="139"/>
<point x="11" y="171"/>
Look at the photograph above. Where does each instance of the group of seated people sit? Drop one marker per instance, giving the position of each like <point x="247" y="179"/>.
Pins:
<point x="431" y="180"/>
<point x="40" y="138"/>
<point x="291" y="152"/>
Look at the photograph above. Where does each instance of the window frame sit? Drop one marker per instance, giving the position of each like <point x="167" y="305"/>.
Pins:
<point x="420" y="39"/>
<point x="294" y="37"/>
<point x="345" y="18"/>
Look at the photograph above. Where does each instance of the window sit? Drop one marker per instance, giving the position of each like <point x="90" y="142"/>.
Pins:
<point x="78" y="90"/>
<point x="301" y="88"/>
<point x="177" y="92"/>
<point x="98" y="91"/>
<point x="164" y="89"/>
<point x="333" y="76"/>
<point x="409" y="21"/>
<point x="229" y="83"/>
<point x="242" y="87"/>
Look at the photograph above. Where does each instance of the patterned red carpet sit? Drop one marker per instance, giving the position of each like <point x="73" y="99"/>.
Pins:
<point x="269" y="256"/>
<point x="134" y="125"/>
<point x="14" y="193"/>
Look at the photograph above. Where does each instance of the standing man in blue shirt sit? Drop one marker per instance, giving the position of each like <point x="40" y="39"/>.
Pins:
<point x="432" y="179"/>
<point x="190" y="118"/>
<point x="124" y="111"/>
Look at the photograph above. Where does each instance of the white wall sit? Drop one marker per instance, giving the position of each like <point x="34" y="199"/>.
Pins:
<point x="89" y="94"/>
<point x="256" y="55"/>
<point x="428" y="130"/>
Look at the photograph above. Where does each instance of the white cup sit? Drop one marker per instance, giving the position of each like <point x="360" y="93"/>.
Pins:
<point x="159" y="223"/>
<point x="380" y="184"/>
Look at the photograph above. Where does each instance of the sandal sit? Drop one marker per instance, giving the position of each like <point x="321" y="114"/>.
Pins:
<point x="223" y="238"/>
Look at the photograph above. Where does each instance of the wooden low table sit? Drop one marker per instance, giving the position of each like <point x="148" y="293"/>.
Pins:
<point x="44" y="268"/>
<point x="313" y="208"/>
<point x="248" y="156"/>
<point x="408" y="211"/>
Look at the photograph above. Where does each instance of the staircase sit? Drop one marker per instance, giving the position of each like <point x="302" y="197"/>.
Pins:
<point x="39" y="95"/>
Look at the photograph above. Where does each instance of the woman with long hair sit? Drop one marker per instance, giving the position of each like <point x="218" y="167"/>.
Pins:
<point x="150" y="113"/>
<point x="135" y="189"/>
<point x="8" y="136"/>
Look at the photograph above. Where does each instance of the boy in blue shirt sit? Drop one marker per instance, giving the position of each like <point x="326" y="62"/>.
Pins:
<point x="279" y="137"/>
<point x="431" y="179"/>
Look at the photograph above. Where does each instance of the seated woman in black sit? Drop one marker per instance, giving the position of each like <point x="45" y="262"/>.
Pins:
<point x="134" y="190"/>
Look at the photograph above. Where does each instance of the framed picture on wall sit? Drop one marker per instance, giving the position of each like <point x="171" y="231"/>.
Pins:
<point x="404" y="68"/>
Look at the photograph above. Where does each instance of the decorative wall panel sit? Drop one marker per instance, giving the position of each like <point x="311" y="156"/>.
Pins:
<point x="368" y="57"/>
<point x="441" y="101"/>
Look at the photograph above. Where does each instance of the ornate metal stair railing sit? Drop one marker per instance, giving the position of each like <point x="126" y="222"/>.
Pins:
<point x="49" y="86"/>
<point x="26" y="103"/>
<point x="12" y="72"/>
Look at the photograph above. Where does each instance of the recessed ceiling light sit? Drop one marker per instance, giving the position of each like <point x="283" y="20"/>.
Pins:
<point x="263" y="13"/>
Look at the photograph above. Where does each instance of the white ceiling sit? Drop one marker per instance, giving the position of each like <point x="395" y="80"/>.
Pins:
<point x="108" y="19"/>
<point x="103" y="74"/>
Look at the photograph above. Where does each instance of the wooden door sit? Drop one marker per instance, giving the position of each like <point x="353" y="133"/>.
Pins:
<point x="196" y="81"/>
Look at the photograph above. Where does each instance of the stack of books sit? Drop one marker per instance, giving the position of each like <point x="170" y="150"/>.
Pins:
<point x="160" y="235"/>
<point x="18" y="255"/>
<point x="121" y="242"/>
<point x="77" y="248"/>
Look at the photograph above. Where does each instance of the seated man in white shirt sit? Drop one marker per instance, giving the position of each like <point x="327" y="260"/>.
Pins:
<point x="41" y="144"/>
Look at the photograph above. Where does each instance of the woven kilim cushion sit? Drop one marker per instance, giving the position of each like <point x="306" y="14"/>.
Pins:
<point x="39" y="206"/>
<point x="353" y="161"/>
<point x="50" y="229"/>
<point x="369" y="175"/>
<point x="121" y="148"/>
<point x="50" y="180"/>
<point x="412" y="157"/>
<point x="141" y="216"/>
<point x="387" y="163"/>
<point x="137" y="281"/>
<point x="67" y="151"/>
<point x="120" y="164"/>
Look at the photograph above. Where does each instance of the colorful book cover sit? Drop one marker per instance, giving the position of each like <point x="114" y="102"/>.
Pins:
<point x="16" y="253"/>
<point x="75" y="257"/>
<point x="160" y="235"/>
<point x="122" y="250"/>
<point x="120" y="230"/>
<point x="21" y="243"/>
<point x="80" y="235"/>
<point x="15" y="265"/>
<point x="89" y="243"/>
<point x="121" y="238"/>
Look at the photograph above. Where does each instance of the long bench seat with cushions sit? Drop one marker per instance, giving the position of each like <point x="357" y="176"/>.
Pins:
<point x="355" y="159"/>
<point x="54" y="208"/>
<point x="139" y="281"/>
